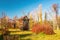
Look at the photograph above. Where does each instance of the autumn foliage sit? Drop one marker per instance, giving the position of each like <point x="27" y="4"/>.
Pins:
<point x="45" y="28"/>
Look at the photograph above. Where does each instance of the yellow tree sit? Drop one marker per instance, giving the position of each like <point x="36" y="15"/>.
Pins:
<point x="31" y="21"/>
<point x="0" y="22"/>
<point x="40" y="13"/>
<point x="58" y="21"/>
<point x="4" y="20"/>
<point x="45" y="21"/>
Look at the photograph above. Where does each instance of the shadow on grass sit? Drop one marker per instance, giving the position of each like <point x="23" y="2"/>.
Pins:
<point x="1" y="37"/>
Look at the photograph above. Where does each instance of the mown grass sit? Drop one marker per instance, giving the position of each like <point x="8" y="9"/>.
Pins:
<point x="42" y="36"/>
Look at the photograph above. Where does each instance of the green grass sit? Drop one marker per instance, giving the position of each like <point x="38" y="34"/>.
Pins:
<point x="40" y="36"/>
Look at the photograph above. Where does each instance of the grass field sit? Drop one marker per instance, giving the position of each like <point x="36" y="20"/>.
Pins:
<point x="40" y="36"/>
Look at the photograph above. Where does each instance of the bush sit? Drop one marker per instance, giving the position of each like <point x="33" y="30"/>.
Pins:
<point x="45" y="28"/>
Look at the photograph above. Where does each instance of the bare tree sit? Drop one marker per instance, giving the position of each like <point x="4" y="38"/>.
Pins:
<point x="55" y="9"/>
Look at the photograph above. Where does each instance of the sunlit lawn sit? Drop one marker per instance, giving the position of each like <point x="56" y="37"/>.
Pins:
<point x="40" y="36"/>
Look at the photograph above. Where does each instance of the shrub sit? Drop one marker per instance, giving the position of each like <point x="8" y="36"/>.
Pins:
<point x="45" y="28"/>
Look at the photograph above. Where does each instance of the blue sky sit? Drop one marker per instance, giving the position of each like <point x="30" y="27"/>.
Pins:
<point x="16" y="7"/>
